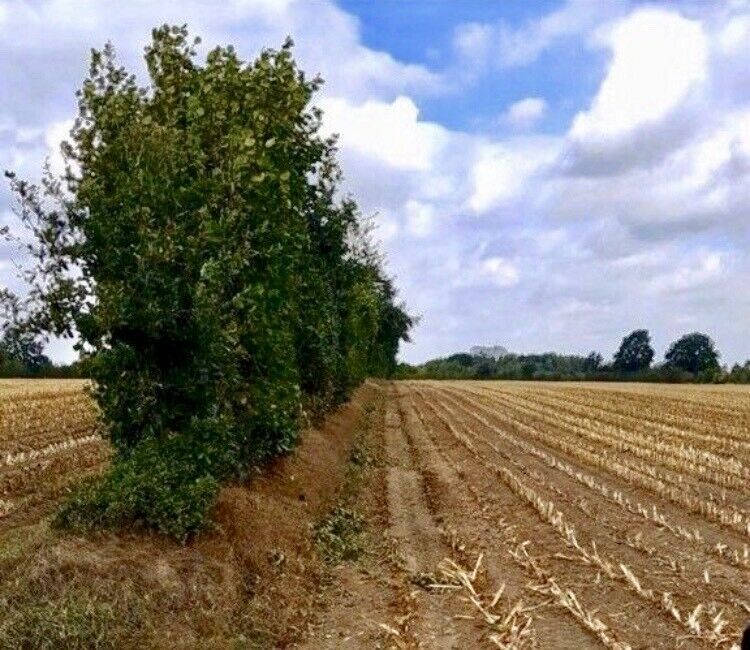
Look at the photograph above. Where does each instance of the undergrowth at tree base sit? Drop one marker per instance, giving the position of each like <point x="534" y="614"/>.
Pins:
<point x="342" y="535"/>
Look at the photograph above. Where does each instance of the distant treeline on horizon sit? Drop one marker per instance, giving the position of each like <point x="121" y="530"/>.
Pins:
<point x="692" y="358"/>
<point x="22" y="355"/>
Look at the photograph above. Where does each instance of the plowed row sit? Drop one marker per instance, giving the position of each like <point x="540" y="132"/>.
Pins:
<point x="618" y="515"/>
<point x="48" y="441"/>
<point x="517" y="514"/>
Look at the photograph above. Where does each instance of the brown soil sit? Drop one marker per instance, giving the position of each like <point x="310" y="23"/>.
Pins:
<point x="255" y="581"/>
<point x="385" y="600"/>
<point x="577" y="538"/>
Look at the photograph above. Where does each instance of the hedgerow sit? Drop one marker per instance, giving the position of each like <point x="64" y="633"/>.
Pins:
<point x="199" y="250"/>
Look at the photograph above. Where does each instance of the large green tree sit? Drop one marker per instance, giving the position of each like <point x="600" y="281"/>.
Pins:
<point x="198" y="248"/>
<point x="694" y="353"/>
<point x="635" y="352"/>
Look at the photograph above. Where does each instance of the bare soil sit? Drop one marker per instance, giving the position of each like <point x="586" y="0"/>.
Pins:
<point x="498" y="514"/>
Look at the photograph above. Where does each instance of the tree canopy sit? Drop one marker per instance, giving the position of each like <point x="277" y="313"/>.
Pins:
<point x="635" y="352"/>
<point x="694" y="353"/>
<point x="199" y="247"/>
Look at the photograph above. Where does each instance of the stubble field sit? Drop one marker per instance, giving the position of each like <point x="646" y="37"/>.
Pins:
<point x="613" y="515"/>
<point x="48" y="441"/>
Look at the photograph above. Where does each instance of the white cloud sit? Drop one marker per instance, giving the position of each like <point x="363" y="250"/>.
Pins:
<point x="502" y="171"/>
<point x="735" y="34"/>
<point x="420" y="218"/>
<point x="390" y="132"/>
<point x="706" y="267"/>
<point x="474" y="270"/>
<point x="500" y="271"/>
<point x="658" y="57"/>
<point x="473" y="41"/>
<point x="506" y="46"/>
<point x="701" y="184"/>
<point x="525" y="112"/>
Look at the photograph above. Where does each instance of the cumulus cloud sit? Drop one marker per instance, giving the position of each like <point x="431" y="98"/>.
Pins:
<point x="390" y="132"/>
<point x="642" y="108"/>
<point x="658" y="56"/>
<point x="525" y="112"/>
<point x="502" y="171"/>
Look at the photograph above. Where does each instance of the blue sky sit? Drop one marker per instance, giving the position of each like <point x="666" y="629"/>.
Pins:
<point x="543" y="175"/>
<point x="423" y="33"/>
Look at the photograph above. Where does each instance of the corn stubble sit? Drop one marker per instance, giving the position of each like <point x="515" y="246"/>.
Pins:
<point x="644" y="489"/>
<point x="49" y="441"/>
<point x="630" y="503"/>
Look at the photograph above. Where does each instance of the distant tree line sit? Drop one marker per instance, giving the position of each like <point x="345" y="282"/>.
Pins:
<point x="22" y="355"/>
<point x="691" y="358"/>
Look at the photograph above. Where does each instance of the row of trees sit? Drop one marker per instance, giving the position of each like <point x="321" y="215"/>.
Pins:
<point x="693" y="357"/>
<point x="512" y="366"/>
<point x="693" y="353"/>
<point x="21" y="355"/>
<point x="219" y="285"/>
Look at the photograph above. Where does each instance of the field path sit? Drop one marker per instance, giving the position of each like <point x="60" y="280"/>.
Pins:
<point x="387" y="602"/>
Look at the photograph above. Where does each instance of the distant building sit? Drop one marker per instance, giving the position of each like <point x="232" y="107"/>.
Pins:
<point x="489" y="351"/>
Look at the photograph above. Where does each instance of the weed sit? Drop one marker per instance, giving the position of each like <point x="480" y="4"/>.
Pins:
<point x="341" y="536"/>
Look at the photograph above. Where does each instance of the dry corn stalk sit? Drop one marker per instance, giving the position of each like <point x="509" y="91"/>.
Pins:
<point x="511" y="629"/>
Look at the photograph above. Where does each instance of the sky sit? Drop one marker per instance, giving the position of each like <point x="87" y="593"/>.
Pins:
<point x="543" y="175"/>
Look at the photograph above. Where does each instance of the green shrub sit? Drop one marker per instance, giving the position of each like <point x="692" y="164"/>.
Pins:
<point x="198" y="247"/>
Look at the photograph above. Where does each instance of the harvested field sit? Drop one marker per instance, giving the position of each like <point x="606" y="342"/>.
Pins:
<point x="604" y="515"/>
<point x="498" y="514"/>
<point x="49" y="440"/>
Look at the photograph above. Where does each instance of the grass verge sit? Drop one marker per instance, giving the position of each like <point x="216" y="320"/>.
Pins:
<point x="342" y="535"/>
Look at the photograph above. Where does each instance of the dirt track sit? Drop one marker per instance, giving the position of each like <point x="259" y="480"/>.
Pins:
<point x="611" y="516"/>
